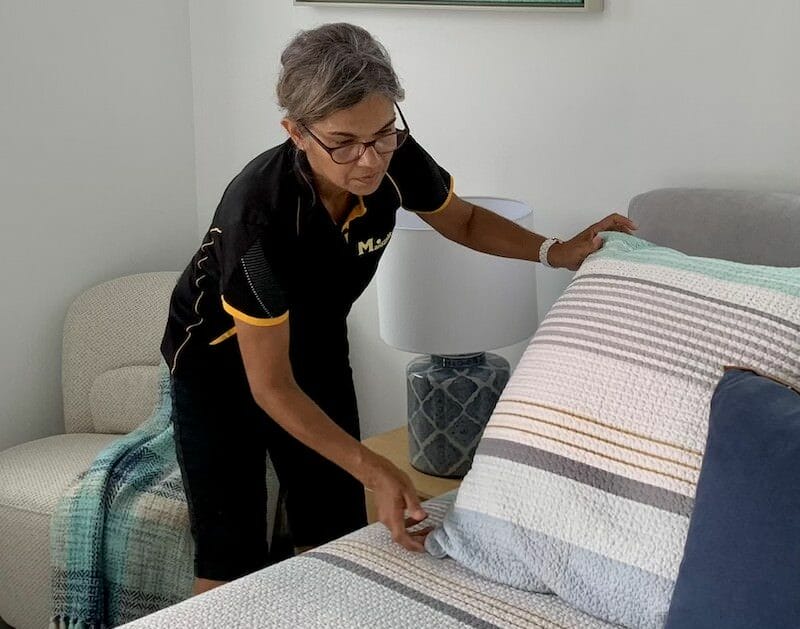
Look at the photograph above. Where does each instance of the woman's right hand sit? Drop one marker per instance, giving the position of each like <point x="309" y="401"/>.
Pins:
<point x="394" y="494"/>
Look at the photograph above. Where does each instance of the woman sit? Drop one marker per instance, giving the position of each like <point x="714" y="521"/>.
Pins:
<point x="257" y="337"/>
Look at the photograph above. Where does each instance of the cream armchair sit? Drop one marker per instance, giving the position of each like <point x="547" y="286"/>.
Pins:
<point x="110" y="363"/>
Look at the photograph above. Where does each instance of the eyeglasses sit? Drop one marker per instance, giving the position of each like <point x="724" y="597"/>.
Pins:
<point x="387" y="143"/>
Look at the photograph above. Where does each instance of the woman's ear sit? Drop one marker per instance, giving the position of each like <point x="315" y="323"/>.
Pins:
<point x="294" y="131"/>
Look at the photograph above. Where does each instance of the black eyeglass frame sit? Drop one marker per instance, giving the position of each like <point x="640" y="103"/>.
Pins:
<point x="401" y="134"/>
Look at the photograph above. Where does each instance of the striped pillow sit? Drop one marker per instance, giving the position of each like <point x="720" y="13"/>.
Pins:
<point x="584" y="480"/>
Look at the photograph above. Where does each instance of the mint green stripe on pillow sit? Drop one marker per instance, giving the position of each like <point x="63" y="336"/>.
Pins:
<point x="635" y="250"/>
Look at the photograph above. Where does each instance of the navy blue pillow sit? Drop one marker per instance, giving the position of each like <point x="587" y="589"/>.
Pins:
<point x="741" y="563"/>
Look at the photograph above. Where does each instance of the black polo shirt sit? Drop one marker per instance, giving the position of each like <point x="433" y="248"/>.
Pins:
<point x="273" y="252"/>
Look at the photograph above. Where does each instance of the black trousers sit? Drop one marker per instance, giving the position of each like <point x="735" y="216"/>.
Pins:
<point x="222" y="438"/>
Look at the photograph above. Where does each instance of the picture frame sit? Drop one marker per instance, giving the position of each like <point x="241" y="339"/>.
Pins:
<point x="526" y="5"/>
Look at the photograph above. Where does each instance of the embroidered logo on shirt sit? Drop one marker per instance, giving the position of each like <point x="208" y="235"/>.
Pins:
<point x="371" y="245"/>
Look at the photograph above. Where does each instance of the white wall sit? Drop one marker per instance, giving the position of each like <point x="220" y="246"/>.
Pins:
<point x="96" y="174"/>
<point x="573" y="113"/>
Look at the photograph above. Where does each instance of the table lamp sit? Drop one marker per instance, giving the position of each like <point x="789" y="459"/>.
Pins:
<point x="452" y="304"/>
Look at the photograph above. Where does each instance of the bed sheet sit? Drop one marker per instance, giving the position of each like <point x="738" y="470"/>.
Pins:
<point x="365" y="580"/>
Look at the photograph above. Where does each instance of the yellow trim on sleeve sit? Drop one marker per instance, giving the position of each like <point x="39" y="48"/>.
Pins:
<point x="224" y="336"/>
<point x="446" y="201"/>
<point x="238" y="314"/>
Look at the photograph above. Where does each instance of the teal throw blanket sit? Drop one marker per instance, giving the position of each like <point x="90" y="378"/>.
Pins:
<point x="121" y="546"/>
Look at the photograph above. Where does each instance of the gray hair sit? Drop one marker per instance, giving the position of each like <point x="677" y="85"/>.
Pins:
<point x="333" y="67"/>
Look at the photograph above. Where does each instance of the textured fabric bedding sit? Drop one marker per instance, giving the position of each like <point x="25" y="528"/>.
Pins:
<point x="584" y="480"/>
<point x="365" y="580"/>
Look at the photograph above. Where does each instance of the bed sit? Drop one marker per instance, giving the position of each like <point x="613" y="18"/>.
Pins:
<point x="364" y="580"/>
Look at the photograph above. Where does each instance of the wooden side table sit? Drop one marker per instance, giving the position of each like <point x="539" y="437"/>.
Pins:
<point x="394" y="446"/>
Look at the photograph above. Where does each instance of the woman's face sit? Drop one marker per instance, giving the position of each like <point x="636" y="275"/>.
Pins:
<point x="372" y="117"/>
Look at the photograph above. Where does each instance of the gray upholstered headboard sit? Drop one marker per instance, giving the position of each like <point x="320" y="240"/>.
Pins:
<point x="751" y="227"/>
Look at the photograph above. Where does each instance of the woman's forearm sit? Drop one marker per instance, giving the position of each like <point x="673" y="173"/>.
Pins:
<point x="491" y="233"/>
<point x="485" y="231"/>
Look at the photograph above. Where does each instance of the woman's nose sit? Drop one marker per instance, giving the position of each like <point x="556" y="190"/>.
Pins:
<point x="370" y="157"/>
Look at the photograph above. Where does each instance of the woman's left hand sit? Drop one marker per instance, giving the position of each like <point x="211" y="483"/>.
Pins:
<point x="570" y="254"/>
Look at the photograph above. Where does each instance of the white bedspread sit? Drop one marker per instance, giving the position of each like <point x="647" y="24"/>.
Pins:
<point x="363" y="580"/>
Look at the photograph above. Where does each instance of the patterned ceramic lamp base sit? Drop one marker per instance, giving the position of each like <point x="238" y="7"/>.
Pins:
<point x="450" y="399"/>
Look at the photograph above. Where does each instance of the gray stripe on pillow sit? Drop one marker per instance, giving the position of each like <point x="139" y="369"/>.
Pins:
<point x="759" y="314"/>
<point x="636" y="344"/>
<point x="651" y="306"/>
<point x="762" y="329"/>
<point x="561" y="313"/>
<point x="458" y="614"/>
<point x="656" y="363"/>
<point x="603" y="480"/>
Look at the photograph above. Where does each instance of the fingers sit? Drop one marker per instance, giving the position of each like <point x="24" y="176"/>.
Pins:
<point x="612" y="222"/>
<point x="400" y="498"/>
<point x="412" y="523"/>
<point x="409" y="541"/>
<point x="409" y="522"/>
<point x="413" y="506"/>
<point x="616" y="222"/>
<point x="421" y="535"/>
<point x="593" y="240"/>
<point x="589" y="240"/>
<point x="584" y="245"/>
<point x="416" y="515"/>
<point x="594" y="244"/>
<point x="397" y="525"/>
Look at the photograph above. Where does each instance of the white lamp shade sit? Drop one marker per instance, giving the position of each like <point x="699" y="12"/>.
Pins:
<point x="438" y="297"/>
